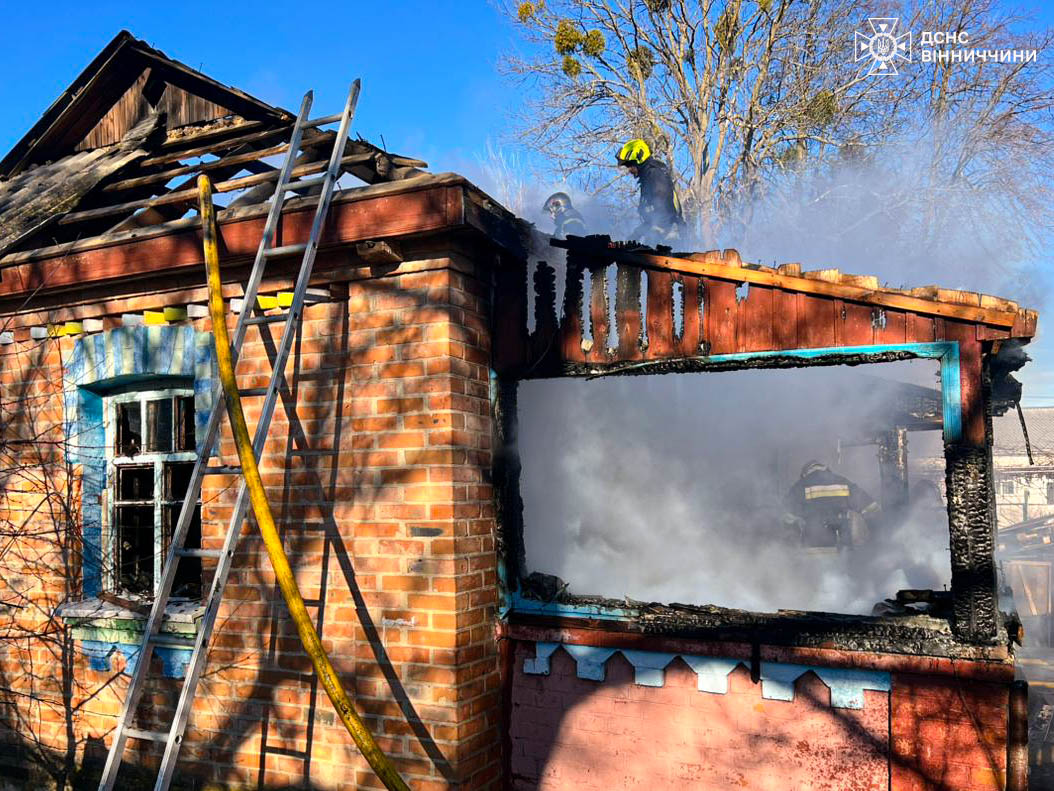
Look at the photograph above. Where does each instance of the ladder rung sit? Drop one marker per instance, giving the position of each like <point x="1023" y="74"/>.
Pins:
<point x="183" y="552"/>
<point x="253" y="391"/>
<point x="285" y="249"/>
<point x="304" y="183"/>
<point x="225" y="469"/>
<point x="171" y="641"/>
<point x="326" y="119"/>
<point x="285" y="751"/>
<point x="151" y="736"/>
<point x="267" y="319"/>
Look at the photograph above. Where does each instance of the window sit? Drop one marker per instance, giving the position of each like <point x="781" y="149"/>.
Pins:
<point x="1006" y="486"/>
<point x="150" y="454"/>
<point x="1050" y="491"/>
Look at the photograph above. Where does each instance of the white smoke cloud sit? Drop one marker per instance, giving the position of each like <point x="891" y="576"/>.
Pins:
<point x="669" y="488"/>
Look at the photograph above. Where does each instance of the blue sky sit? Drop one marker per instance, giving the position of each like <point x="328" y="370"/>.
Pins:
<point x="431" y="86"/>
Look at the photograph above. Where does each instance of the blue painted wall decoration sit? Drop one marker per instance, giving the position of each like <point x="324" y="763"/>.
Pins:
<point x="99" y="364"/>
<point x="174" y="661"/>
<point x="847" y="685"/>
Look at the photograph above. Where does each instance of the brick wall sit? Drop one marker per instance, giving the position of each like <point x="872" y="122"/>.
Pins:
<point x="948" y="733"/>
<point x="379" y="485"/>
<point x="706" y="726"/>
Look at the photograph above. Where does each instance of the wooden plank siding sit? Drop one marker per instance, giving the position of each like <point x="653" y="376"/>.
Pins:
<point x="181" y="108"/>
<point x="724" y="322"/>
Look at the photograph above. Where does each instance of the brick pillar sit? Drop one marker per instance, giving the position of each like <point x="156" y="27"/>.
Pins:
<point x="381" y="487"/>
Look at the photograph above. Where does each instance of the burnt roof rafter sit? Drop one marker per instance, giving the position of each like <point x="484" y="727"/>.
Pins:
<point x="204" y="127"/>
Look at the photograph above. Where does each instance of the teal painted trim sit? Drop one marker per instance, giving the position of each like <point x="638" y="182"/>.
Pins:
<point x="934" y="349"/>
<point x="946" y="352"/>
<point x="951" y="393"/>
<point x="535" y="607"/>
<point x="504" y="599"/>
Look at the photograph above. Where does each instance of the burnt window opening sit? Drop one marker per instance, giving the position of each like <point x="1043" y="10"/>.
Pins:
<point x="152" y="454"/>
<point x="674" y="488"/>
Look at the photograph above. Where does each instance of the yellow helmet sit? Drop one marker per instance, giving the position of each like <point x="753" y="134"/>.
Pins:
<point x="635" y="152"/>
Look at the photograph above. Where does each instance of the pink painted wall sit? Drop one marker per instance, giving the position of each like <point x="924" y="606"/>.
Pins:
<point x="568" y="732"/>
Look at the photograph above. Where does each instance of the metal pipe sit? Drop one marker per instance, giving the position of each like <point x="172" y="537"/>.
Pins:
<point x="1017" y="738"/>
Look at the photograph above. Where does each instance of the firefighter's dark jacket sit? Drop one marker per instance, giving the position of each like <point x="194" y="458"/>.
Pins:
<point x="657" y="204"/>
<point x="823" y="495"/>
<point x="569" y="222"/>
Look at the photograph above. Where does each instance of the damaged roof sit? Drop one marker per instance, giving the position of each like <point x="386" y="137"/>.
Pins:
<point x="121" y="85"/>
<point x="122" y="147"/>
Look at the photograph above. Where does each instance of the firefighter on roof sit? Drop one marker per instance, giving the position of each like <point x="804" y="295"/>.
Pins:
<point x="660" y="214"/>
<point x="566" y="218"/>
<point x="826" y="508"/>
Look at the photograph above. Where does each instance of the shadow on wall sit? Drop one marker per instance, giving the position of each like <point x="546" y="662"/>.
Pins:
<point x="568" y="732"/>
<point x="327" y="368"/>
<point x="141" y="779"/>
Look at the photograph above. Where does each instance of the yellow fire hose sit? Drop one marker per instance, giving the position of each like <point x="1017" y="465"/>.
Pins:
<point x="262" y="509"/>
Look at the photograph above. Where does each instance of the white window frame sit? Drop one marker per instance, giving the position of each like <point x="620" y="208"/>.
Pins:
<point x="157" y="459"/>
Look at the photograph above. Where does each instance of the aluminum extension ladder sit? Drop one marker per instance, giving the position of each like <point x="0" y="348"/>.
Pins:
<point x="152" y="637"/>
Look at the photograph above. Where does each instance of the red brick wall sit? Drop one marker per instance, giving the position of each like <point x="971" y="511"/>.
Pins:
<point x="929" y="733"/>
<point x="389" y="524"/>
<point x="948" y="733"/>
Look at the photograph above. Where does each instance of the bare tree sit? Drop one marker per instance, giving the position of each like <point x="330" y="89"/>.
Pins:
<point x="740" y="96"/>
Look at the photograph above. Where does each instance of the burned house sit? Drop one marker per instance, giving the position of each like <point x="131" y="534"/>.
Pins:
<point x="394" y="468"/>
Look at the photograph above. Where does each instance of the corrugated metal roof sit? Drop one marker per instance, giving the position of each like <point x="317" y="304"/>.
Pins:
<point x="1009" y="440"/>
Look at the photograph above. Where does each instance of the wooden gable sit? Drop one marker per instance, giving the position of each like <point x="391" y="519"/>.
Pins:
<point x="181" y="108"/>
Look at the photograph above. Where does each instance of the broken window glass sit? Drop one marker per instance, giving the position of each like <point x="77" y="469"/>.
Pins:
<point x="129" y="429"/>
<point x="690" y="488"/>
<point x="187" y="584"/>
<point x="159" y="425"/>
<point x="185" y="423"/>
<point x="135" y="549"/>
<point x="177" y="479"/>
<point x="135" y="483"/>
<point x="147" y="495"/>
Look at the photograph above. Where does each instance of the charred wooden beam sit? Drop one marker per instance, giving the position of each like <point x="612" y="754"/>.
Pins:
<point x="214" y="145"/>
<point x="808" y="285"/>
<point x="164" y="176"/>
<point x="181" y="196"/>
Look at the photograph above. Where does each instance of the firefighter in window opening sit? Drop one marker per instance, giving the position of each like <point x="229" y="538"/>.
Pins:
<point x="660" y="213"/>
<point x="567" y="219"/>
<point x="825" y="509"/>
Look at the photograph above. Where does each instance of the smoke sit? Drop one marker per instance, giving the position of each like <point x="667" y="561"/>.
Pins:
<point x="891" y="214"/>
<point x="670" y="488"/>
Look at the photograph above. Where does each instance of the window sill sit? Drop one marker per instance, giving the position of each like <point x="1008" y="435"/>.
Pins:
<point x="104" y="628"/>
